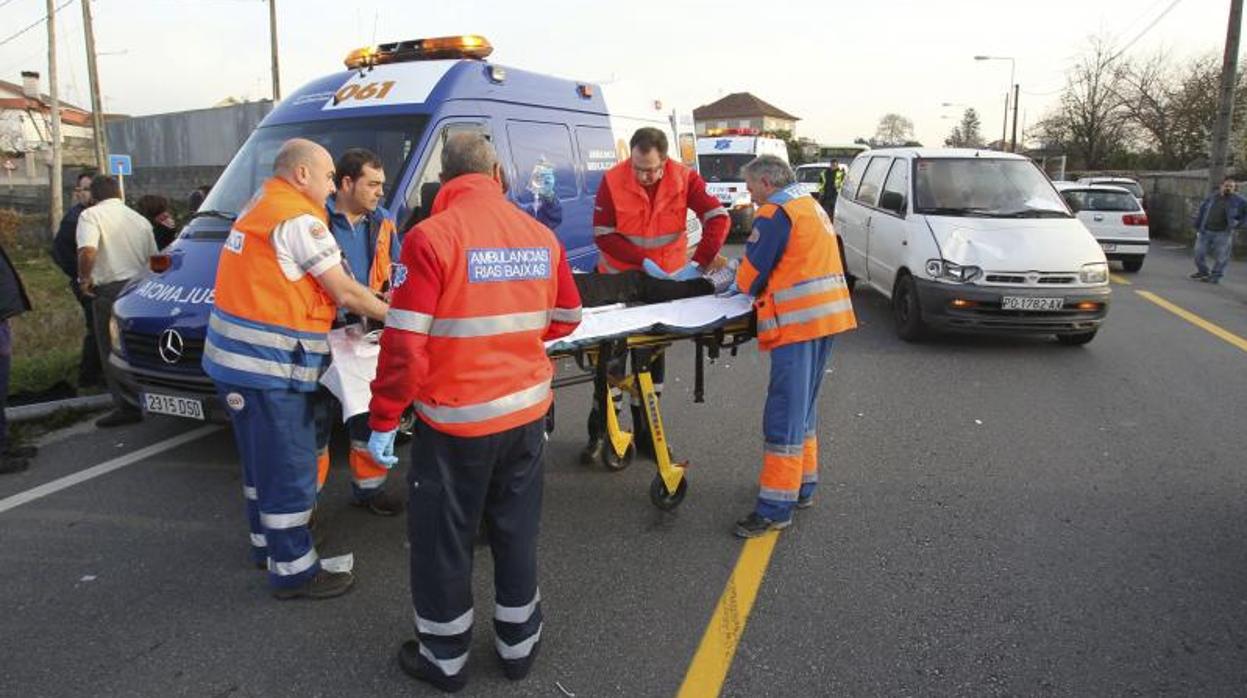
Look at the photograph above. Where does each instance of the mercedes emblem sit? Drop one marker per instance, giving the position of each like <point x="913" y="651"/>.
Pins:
<point x="170" y="346"/>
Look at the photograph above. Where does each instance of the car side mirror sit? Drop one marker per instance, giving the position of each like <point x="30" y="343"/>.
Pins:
<point x="892" y="201"/>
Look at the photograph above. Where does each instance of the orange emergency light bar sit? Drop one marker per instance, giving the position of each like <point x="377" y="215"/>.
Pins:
<point x="466" y="46"/>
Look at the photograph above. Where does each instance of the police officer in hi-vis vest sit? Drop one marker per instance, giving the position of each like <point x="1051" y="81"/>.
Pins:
<point x="279" y="285"/>
<point x="793" y="271"/>
<point x="484" y="287"/>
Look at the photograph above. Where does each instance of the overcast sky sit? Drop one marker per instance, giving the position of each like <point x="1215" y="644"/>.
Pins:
<point x="837" y="64"/>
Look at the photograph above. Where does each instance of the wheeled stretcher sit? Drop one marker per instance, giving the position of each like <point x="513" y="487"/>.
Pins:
<point x="712" y="323"/>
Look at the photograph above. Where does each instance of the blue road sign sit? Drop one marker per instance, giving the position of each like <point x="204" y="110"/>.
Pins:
<point x="119" y="165"/>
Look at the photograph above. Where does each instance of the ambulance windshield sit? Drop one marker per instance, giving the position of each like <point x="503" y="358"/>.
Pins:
<point x="723" y="168"/>
<point x="392" y="138"/>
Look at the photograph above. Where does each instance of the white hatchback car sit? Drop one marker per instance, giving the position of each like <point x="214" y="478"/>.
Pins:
<point x="971" y="240"/>
<point x="1114" y="216"/>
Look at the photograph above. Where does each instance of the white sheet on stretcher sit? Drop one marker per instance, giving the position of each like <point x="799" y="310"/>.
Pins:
<point x="355" y="359"/>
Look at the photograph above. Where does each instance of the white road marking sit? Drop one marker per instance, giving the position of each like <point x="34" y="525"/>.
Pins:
<point x="103" y="468"/>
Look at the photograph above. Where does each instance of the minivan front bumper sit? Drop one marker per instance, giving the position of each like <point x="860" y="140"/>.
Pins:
<point x="972" y="308"/>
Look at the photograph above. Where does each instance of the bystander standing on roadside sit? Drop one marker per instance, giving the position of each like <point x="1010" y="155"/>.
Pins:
<point x="156" y="210"/>
<point x="65" y="254"/>
<point x="13" y="302"/>
<point x="1215" y="221"/>
<point x="115" y="244"/>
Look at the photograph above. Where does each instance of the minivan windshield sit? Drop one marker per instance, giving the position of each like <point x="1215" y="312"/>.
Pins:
<point x="723" y="168"/>
<point x="984" y="187"/>
<point x="391" y="138"/>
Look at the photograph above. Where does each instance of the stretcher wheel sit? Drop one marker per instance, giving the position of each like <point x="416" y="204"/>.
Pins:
<point x="616" y="462"/>
<point x="661" y="498"/>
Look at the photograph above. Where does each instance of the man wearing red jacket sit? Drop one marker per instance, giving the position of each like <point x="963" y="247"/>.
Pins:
<point x="480" y="288"/>
<point x="641" y="214"/>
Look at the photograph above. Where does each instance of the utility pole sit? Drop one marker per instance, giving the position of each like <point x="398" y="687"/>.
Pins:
<point x="56" y="194"/>
<point x="272" y="28"/>
<point x="97" y="103"/>
<point x="1225" y="113"/>
<point x="1013" y="147"/>
<point x="1004" y="128"/>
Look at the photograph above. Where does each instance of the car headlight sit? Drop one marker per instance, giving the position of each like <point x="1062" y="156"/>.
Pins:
<point x="1094" y="273"/>
<point x="950" y="272"/>
<point x="114" y="335"/>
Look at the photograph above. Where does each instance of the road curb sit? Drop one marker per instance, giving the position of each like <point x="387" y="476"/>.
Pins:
<point x="25" y="413"/>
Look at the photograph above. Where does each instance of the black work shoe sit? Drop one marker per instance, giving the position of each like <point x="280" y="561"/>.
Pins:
<point x="325" y="585"/>
<point x="382" y="504"/>
<point x="755" y="525"/>
<point x="416" y="666"/>
<point x="118" y="418"/>
<point x="9" y="464"/>
<point x="591" y="454"/>
<point x="21" y="451"/>
<point x="1199" y="276"/>
<point x="517" y="669"/>
<point x="805" y="502"/>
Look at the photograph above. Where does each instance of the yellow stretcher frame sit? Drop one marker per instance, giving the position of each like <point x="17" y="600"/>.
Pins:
<point x="670" y="483"/>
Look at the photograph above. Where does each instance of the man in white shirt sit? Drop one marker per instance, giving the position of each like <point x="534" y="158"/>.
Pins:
<point x="114" y="246"/>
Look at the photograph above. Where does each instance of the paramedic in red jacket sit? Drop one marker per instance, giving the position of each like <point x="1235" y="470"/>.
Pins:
<point x="641" y="213"/>
<point x="481" y="286"/>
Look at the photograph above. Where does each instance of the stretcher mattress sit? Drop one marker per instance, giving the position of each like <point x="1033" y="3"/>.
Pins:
<point x="355" y="358"/>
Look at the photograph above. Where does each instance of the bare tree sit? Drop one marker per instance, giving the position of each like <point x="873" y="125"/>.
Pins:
<point x="1091" y="121"/>
<point x="893" y="130"/>
<point x="966" y="134"/>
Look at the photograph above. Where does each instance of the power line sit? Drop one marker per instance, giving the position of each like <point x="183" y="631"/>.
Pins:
<point x="1146" y="29"/>
<point x="38" y="22"/>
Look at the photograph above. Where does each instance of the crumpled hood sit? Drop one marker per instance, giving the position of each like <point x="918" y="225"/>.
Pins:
<point x="1016" y="244"/>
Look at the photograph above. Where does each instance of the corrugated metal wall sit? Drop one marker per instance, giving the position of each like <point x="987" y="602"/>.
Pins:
<point x="204" y="137"/>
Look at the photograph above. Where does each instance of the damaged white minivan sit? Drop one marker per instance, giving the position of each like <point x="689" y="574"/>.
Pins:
<point x="970" y="240"/>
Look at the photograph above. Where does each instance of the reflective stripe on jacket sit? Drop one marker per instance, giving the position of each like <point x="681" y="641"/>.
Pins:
<point x="266" y="331"/>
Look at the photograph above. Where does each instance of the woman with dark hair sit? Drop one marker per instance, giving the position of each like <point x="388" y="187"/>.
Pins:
<point x="157" y="212"/>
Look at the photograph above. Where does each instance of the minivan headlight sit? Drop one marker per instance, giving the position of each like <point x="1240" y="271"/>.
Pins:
<point x="951" y="272"/>
<point x="1094" y="273"/>
<point x="114" y="335"/>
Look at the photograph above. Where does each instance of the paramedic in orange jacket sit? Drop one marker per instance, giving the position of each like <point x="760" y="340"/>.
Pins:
<point x="279" y="284"/>
<point x="792" y="270"/>
<point x="640" y="213"/>
<point x="480" y="288"/>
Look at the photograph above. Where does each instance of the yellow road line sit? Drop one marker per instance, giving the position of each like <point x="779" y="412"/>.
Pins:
<point x="718" y="645"/>
<point x="1119" y="279"/>
<point x="1196" y="320"/>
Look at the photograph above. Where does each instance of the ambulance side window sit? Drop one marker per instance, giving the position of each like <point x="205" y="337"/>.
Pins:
<point x="597" y="154"/>
<point x="530" y="143"/>
<point x="424" y="188"/>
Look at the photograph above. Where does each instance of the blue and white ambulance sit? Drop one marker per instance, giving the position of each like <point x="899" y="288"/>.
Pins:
<point x="401" y="101"/>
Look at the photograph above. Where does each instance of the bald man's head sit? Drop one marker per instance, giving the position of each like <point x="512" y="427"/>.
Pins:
<point x="307" y="166"/>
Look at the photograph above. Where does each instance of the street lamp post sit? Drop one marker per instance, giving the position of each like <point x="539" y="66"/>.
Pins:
<point x="1004" y="131"/>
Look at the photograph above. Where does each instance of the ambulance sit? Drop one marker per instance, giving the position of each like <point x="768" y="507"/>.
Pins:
<point x="720" y="156"/>
<point x="402" y="101"/>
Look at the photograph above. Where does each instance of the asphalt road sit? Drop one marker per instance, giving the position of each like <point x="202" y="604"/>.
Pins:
<point x="997" y="516"/>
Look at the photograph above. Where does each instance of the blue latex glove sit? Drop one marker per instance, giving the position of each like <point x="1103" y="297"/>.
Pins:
<point x="651" y="267"/>
<point x="381" y="448"/>
<point x="685" y="273"/>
